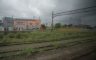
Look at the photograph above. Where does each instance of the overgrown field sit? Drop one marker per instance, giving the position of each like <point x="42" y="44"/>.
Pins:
<point x="26" y="44"/>
<point x="46" y="36"/>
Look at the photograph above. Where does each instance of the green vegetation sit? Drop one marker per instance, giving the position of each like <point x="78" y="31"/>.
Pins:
<point x="56" y="45"/>
<point x="59" y="38"/>
<point x="28" y="51"/>
<point x="38" y="36"/>
<point x="57" y="25"/>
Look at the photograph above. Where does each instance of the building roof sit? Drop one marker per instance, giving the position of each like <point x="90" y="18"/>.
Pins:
<point x="26" y="19"/>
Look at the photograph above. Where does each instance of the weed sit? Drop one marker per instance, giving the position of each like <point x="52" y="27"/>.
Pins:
<point x="29" y="51"/>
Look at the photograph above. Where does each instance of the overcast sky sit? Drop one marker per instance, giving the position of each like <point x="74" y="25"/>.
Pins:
<point x="41" y="8"/>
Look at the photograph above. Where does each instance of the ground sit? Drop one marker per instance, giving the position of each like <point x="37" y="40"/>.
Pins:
<point x="60" y="44"/>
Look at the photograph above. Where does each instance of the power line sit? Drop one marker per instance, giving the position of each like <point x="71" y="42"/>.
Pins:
<point x="82" y="10"/>
<point x="85" y="11"/>
<point x="78" y="9"/>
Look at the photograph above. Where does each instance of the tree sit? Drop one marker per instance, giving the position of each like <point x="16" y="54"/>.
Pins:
<point x="43" y="27"/>
<point x="70" y="25"/>
<point x="57" y="25"/>
<point x="64" y="26"/>
<point x="95" y="27"/>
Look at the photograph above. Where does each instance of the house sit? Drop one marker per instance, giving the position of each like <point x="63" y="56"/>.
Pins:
<point x="26" y="24"/>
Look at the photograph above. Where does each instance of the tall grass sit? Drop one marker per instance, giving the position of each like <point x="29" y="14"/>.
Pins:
<point x="37" y="36"/>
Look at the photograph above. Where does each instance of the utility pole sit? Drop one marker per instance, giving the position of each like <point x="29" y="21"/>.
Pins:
<point x="52" y="21"/>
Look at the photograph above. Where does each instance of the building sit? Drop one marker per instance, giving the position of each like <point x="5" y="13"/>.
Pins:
<point x="26" y="24"/>
<point x="1" y="26"/>
<point x="8" y="23"/>
<point x="17" y="24"/>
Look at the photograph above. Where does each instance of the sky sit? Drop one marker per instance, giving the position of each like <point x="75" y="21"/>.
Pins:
<point x="43" y="9"/>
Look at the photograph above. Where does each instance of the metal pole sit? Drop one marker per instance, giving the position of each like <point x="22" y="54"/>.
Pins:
<point x="52" y="21"/>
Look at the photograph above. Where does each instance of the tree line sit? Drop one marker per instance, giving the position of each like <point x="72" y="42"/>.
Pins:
<point x="59" y="25"/>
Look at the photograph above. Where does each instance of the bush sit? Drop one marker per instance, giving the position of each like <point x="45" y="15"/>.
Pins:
<point x="1" y="35"/>
<point x="11" y="35"/>
<point x="57" y="25"/>
<point x="29" y="51"/>
<point x="18" y="35"/>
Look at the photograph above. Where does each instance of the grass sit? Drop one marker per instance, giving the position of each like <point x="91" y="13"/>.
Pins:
<point x="68" y="35"/>
<point x="37" y="37"/>
<point x="28" y="51"/>
<point x="54" y="45"/>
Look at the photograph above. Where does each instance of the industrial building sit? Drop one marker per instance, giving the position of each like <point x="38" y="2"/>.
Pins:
<point x="19" y="24"/>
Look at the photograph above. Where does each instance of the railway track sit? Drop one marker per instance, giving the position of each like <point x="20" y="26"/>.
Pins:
<point x="47" y="47"/>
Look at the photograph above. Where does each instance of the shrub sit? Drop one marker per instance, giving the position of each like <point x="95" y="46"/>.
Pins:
<point x="1" y="35"/>
<point x="11" y="35"/>
<point x="18" y="35"/>
<point x="57" y="25"/>
<point x="29" y="51"/>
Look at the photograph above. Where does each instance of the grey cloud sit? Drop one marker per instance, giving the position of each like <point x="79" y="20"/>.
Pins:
<point x="42" y="8"/>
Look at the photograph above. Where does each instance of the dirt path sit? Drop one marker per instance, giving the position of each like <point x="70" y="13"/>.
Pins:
<point x="68" y="53"/>
<point x="71" y="53"/>
<point x="37" y="45"/>
<point x="91" y="56"/>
